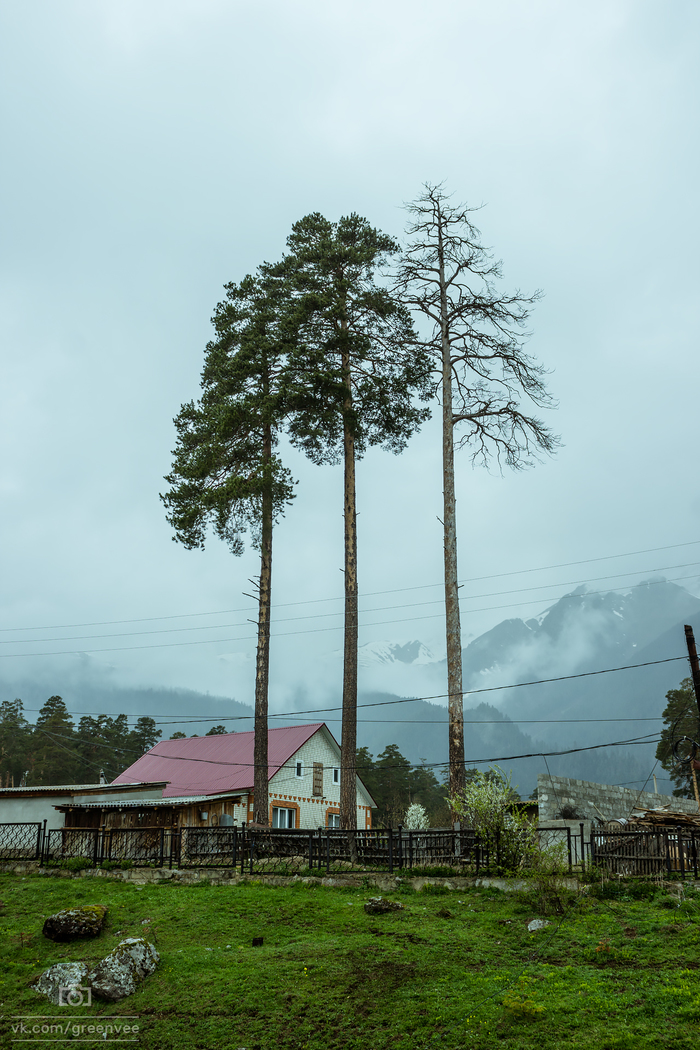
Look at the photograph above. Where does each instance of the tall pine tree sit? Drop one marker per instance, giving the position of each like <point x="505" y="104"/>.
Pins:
<point x="355" y="372"/>
<point x="226" y="470"/>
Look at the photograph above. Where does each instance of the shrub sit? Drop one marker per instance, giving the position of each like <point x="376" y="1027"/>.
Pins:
<point x="77" y="863"/>
<point x="485" y="805"/>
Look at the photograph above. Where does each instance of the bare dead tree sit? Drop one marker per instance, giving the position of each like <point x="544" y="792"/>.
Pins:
<point x="475" y="335"/>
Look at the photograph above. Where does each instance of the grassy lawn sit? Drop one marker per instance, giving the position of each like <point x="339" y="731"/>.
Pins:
<point x="453" y="969"/>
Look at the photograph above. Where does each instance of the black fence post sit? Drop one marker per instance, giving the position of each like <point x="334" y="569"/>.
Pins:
<point x="311" y="850"/>
<point x="41" y="838"/>
<point x="568" y="845"/>
<point x="328" y="851"/>
<point x="243" y="845"/>
<point x="235" y="844"/>
<point x="400" y="845"/>
<point x="410" y="849"/>
<point x="583" y="851"/>
<point x="391" y="850"/>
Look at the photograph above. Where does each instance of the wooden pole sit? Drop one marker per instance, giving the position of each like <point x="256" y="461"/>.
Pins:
<point x="695" y="784"/>
<point x="695" y="672"/>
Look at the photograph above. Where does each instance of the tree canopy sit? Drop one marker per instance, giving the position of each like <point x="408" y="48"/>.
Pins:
<point x="681" y="719"/>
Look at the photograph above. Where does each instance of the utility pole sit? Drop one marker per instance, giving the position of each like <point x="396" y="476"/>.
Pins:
<point x="695" y="672"/>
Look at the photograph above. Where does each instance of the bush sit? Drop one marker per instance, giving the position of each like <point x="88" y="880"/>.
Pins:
<point x="485" y="805"/>
<point x="77" y="863"/>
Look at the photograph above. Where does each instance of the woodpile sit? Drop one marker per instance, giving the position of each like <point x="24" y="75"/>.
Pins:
<point x="663" y="818"/>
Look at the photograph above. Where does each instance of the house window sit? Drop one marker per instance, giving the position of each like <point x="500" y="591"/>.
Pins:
<point x="318" y="779"/>
<point x="336" y="775"/>
<point x="334" y="820"/>
<point x="282" y="818"/>
<point x="299" y="769"/>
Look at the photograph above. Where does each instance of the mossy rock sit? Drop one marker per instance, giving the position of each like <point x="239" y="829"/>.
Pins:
<point x="69" y="925"/>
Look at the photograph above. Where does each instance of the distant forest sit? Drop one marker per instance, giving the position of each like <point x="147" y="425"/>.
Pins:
<point x="55" y="751"/>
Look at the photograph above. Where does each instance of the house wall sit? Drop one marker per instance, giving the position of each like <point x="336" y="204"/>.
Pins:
<point x="16" y="807"/>
<point x="159" y="816"/>
<point x="598" y="802"/>
<point x="289" y="791"/>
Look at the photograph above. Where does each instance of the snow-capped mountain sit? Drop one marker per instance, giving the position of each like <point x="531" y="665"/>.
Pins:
<point x="413" y="652"/>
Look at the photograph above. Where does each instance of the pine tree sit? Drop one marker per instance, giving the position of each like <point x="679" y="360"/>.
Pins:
<point x="354" y="375"/>
<point x="143" y="736"/>
<point x="55" y="758"/>
<point x="15" y="743"/>
<point x="226" y="471"/>
<point x="680" y="720"/>
<point x="481" y="375"/>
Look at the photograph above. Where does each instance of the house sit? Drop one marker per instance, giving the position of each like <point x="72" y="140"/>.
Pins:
<point x="210" y="783"/>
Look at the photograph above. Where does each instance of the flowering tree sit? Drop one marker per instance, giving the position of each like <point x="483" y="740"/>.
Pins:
<point x="486" y="806"/>
<point x="416" y="818"/>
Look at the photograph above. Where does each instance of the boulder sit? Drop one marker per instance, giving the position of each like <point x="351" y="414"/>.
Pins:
<point x="63" y="984"/>
<point x="72" y="923"/>
<point x="380" y="906"/>
<point x="120" y="972"/>
<point x="538" y="924"/>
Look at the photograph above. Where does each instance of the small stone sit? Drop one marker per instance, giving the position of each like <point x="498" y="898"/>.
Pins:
<point x="381" y="906"/>
<point x="538" y="924"/>
<point x="72" y="923"/>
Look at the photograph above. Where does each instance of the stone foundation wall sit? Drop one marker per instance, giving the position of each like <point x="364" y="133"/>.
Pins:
<point x="598" y="802"/>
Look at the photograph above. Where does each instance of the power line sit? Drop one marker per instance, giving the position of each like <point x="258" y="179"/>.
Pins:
<point x="395" y="590"/>
<point x="314" y="630"/>
<point x="421" y="765"/>
<point x="442" y="696"/>
<point x="384" y="608"/>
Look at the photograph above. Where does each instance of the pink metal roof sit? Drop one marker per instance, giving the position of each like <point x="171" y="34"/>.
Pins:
<point x="210" y="765"/>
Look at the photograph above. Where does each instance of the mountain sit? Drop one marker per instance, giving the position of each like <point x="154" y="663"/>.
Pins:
<point x="583" y="631"/>
<point x="413" y="652"/>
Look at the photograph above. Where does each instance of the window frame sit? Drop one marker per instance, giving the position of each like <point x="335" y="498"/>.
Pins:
<point x="284" y="809"/>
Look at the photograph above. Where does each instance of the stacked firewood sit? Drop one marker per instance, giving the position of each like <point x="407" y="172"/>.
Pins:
<point x="663" y="817"/>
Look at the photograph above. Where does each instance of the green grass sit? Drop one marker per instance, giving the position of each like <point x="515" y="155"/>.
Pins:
<point x="453" y="970"/>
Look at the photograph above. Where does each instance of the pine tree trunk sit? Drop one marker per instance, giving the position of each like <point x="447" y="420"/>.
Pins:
<point x="452" y="619"/>
<point x="348" y="746"/>
<point x="262" y="669"/>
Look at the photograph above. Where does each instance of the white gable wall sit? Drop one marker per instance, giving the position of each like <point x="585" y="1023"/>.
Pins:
<point x="292" y="792"/>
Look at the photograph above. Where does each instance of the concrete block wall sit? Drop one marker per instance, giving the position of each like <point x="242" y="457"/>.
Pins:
<point x="598" y="802"/>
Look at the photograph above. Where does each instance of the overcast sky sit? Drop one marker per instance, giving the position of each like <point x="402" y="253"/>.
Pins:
<point x="153" y="151"/>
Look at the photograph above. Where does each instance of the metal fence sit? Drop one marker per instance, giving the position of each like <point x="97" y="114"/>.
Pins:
<point x="271" y="850"/>
<point x="641" y="852"/>
<point x="21" y="841"/>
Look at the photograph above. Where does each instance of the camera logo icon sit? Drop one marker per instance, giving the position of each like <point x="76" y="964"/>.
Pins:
<point x="74" y="995"/>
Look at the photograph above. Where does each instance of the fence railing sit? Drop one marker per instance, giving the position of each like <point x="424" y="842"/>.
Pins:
<point x="641" y="852"/>
<point x="21" y="841"/>
<point x="649" y="852"/>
